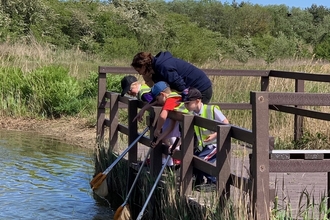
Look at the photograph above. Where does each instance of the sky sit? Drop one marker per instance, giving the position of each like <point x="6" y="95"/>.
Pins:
<point x="291" y="3"/>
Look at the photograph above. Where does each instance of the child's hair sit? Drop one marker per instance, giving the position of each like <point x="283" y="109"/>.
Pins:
<point x="167" y="90"/>
<point x="192" y="95"/>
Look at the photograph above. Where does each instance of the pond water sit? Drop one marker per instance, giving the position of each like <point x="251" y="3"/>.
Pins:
<point x="41" y="178"/>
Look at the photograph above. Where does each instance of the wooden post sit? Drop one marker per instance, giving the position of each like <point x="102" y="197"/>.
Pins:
<point x="113" y="119"/>
<point x="264" y="84"/>
<point x="156" y="153"/>
<point x="132" y="130"/>
<point x="223" y="160"/>
<point x="328" y="191"/>
<point x="102" y="84"/>
<point x="132" y="135"/>
<point x="298" y="120"/>
<point x="260" y="155"/>
<point x="187" y="153"/>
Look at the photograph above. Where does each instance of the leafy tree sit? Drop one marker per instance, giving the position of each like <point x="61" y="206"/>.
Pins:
<point x="207" y="14"/>
<point x="187" y="41"/>
<point x="252" y="20"/>
<point x="120" y="28"/>
<point x="22" y="14"/>
<point x="280" y="22"/>
<point x="186" y="7"/>
<point x="318" y="13"/>
<point x="322" y="49"/>
<point x="229" y="21"/>
<point x="113" y="36"/>
<point x="142" y="19"/>
<point x="302" y="24"/>
<point x="262" y="44"/>
<point x="281" y="47"/>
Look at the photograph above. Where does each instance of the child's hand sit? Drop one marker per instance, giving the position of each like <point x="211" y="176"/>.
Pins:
<point x="175" y="149"/>
<point x="211" y="137"/>
<point x="157" y="133"/>
<point x="184" y="94"/>
<point x="154" y="142"/>
<point x="169" y="149"/>
<point x="139" y="116"/>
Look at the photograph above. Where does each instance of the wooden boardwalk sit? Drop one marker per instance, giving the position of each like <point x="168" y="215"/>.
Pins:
<point x="292" y="189"/>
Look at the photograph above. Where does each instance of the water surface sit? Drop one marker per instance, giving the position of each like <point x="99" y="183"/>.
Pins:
<point x="41" y="178"/>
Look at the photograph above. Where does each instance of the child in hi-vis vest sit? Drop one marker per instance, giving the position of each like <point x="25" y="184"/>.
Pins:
<point x="206" y="143"/>
<point x="131" y="86"/>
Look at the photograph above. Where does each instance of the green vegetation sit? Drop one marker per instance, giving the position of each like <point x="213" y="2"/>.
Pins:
<point x="48" y="91"/>
<point x="193" y="30"/>
<point x="50" y="51"/>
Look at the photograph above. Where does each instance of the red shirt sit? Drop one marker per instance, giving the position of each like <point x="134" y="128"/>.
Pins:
<point x="171" y="103"/>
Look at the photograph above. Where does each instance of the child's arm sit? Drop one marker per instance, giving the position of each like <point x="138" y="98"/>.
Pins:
<point x="143" y="109"/>
<point x="211" y="137"/>
<point x="167" y="131"/>
<point x="160" y="122"/>
<point x="146" y="97"/>
<point x="219" y="116"/>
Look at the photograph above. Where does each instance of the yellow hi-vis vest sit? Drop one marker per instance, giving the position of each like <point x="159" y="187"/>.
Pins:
<point x="143" y="89"/>
<point x="180" y="107"/>
<point x="203" y="133"/>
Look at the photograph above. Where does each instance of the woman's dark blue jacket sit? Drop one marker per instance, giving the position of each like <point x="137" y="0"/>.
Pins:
<point x="178" y="73"/>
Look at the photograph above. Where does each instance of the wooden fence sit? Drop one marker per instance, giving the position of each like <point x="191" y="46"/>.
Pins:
<point x="263" y="157"/>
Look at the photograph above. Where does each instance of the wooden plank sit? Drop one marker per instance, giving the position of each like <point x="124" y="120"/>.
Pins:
<point x="205" y="166"/>
<point x="299" y="98"/>
<point x="118" y="70"/>
<point x="314" y="156"/>
<point x="246" y="73"/>
<point x="300" y="152"/>
<point x="301" y="112"/>
<point x="279" y="156"/>
<point x="299" y="75"/>
<point x="299" y="165"/>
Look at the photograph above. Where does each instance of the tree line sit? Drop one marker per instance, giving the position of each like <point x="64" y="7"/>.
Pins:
<point x="193" y="30"/>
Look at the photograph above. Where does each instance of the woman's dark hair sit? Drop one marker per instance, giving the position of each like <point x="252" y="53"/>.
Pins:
<point x="142" y="59"/>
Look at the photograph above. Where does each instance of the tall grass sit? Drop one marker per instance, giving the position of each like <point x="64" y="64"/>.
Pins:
<point x="18" y="61"/>
<point x="308" y="207"/>
<point x="29" y="57"/>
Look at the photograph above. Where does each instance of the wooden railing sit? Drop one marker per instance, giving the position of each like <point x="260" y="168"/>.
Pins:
<point x="262" y="144"/>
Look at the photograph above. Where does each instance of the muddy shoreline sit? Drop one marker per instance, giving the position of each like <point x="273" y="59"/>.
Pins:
<point x="75" y="131"/>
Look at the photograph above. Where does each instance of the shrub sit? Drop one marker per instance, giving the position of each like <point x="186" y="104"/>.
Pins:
<point x="322" y="49"/>
<point x="52" y="92"/>
<point x="90" y="85"/>
<point x="10" y="90"/>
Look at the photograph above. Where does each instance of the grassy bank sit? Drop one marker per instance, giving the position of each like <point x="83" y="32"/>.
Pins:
<point x="41" y="82"/>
